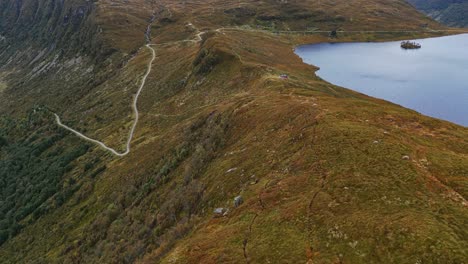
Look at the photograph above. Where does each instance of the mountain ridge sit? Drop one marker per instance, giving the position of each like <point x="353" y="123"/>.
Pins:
<point x="217" y="122"/>
<point x="451" y="13"/>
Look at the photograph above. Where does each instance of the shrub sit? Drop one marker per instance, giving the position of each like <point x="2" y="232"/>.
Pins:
<point x="3" y="142"/>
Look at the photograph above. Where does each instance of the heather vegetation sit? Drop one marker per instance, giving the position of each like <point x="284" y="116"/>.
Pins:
<point x="325" y="174"/>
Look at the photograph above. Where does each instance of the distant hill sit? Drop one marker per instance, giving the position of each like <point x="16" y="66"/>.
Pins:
<point x="449" y="12"/>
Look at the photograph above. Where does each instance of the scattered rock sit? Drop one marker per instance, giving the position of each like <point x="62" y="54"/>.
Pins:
<point x="238" y="201"/>
<point x="333" y="204"/>
<point x="231" y="170"/>
<point x="219" y="212"/>
<point x="254" y="180"/>
<point x="406" y="157"/>
<point x="353" y="244"/>
<point x="284" y="76"/>
<point x="376" y="142"/>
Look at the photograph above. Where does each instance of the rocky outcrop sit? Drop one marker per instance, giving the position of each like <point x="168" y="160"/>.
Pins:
<point x="51" y="23"/>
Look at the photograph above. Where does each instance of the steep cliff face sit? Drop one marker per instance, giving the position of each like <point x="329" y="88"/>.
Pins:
<point x="64" y="25"/>
<point x="55" y="52"/>
<point x="40" y="39"/>
<point x="449" y="12"/>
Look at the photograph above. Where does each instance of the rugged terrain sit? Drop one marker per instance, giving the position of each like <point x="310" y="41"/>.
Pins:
<point x="326" y="175"/>
<point x="449" y="12"/>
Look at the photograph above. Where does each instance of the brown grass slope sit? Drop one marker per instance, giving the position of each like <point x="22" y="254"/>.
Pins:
<point x="320" y="168"/>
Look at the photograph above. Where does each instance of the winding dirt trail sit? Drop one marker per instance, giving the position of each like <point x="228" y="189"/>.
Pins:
<point x="101" y="144"/>
<point x="135" y="111"/>
<point x="223" y="29"/>
<point x="198" y="38"/>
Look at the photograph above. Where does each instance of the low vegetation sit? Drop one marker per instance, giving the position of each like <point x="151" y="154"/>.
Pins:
<point x="327" y="175"/>
<point x="410" y="45"/>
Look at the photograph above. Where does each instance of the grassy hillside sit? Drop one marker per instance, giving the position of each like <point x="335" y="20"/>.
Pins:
<point x="449" y="12"/>
<point x="327" y="175"/>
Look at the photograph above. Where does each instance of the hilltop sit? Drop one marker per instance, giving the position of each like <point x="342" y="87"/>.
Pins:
<point x="216" y="122"/>
<point x="449" y="12"/>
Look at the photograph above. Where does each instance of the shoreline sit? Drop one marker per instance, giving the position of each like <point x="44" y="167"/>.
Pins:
<point x="421" y="107"/>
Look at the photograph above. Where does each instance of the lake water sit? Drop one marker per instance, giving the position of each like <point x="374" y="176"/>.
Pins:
<point x="432" y="80"/>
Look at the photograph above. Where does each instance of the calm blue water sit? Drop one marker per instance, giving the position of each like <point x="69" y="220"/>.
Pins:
<point x="432" y="80"/>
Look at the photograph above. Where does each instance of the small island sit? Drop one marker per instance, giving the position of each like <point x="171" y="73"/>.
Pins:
<point x="410" y="45"/>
